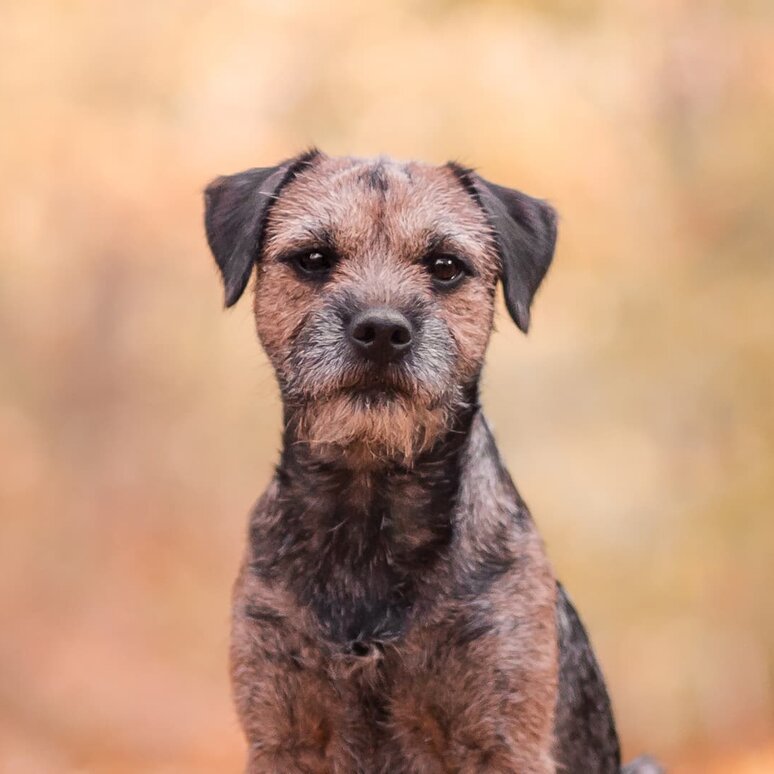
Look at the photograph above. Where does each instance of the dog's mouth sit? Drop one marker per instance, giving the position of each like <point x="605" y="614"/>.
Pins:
<point x="372" y="386"/>
<point x="375" y="395"/>
<point x="384" y="382"/>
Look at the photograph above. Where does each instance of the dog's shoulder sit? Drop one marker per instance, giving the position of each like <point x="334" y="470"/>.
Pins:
<point x="585" y="733"/>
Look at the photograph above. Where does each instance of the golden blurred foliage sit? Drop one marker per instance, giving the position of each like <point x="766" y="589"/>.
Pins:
<point x="138" y="423"/>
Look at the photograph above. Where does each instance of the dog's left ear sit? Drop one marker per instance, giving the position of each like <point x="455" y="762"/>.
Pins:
<point x="525" y="229"/>
<point x="235" y="211"/>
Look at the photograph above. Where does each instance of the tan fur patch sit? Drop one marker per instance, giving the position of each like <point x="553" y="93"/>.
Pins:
<point x="364" y="433"/>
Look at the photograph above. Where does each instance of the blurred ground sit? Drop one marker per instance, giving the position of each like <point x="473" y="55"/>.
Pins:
<point x="138" y="422"/>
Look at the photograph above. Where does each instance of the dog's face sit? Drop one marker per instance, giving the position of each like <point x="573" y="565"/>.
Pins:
<point x="375" y="290"/>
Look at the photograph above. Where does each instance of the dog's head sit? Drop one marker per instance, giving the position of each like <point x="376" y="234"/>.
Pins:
<point x="375" y="289"/>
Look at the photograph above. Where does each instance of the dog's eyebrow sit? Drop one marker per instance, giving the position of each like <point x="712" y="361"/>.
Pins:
<point x="305" y="235"/>
<point x="447" y="243"/>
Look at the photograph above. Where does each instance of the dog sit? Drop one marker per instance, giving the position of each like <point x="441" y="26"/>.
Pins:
<point x="395" y="612"/>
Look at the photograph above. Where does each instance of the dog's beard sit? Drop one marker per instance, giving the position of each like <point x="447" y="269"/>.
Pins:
<point x="364" y="429"/>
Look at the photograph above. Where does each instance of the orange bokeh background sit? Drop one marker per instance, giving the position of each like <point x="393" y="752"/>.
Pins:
<point x="138" y="422"/>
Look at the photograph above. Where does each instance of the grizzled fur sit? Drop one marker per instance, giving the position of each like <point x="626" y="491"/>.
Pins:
<point x="395" y="611"/>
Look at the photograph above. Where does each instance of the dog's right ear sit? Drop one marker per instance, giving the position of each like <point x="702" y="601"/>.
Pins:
<point x="235" y="212"/>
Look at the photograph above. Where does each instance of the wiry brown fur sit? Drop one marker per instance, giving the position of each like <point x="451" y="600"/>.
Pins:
<point x="367" y="431"/>
<point x="335" y="200"/>
<point x="395" y="612"/>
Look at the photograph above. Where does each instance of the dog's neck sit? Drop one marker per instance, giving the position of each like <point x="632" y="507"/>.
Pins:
<point x="356" y="544"/>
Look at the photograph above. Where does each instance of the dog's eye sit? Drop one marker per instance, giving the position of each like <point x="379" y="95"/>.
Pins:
<point x="314" y="262"/>
<point x="446" y="270"/>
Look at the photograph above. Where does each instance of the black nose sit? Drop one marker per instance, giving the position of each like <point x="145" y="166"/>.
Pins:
<point x="381" y="335"/>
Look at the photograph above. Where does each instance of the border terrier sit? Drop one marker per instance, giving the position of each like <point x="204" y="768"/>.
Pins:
<point x="395" y="612"/>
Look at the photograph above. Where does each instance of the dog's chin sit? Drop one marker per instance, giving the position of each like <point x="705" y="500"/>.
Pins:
<point x="366" y="427"/>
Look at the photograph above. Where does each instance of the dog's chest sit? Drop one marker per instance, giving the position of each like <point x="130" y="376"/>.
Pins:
<point x="450" y="680"/>
<point x="357" y="559"/>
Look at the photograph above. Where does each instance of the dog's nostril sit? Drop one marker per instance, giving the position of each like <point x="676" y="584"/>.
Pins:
<point x="381" y="334"/>
<point x="364" y="333"/>
<point x="401" y="336"/>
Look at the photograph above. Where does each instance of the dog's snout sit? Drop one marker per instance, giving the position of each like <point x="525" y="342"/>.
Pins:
<point x="381" y="335"/>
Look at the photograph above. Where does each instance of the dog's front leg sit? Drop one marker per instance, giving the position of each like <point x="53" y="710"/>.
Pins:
<point x="476" y="687"/>
<point x="459" y="709"/>
<point x="294" y="719"/>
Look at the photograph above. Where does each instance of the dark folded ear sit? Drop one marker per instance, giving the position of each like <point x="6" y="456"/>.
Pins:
<point x="235" y="211"/>
<point x="525" y="229"/>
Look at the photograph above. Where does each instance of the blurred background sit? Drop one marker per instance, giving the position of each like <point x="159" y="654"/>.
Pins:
<point x="138" y="422"/>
